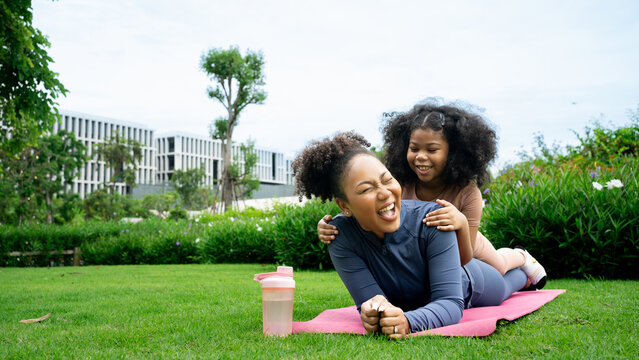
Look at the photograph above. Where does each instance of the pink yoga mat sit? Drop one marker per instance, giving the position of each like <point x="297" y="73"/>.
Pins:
<point x="481" y="321"/>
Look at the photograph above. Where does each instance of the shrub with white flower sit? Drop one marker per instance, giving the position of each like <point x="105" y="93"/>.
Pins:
<point x="614" y="183"/>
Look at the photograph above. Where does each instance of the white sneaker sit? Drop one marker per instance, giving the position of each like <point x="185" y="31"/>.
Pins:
<point x="533" y="270"/>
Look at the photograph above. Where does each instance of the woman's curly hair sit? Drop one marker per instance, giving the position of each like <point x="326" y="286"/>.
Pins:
<point x="319" y="168"/>
<point x="472" y="142"/>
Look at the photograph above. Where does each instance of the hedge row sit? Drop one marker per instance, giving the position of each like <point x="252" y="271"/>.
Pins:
<point x="286" y="234"/>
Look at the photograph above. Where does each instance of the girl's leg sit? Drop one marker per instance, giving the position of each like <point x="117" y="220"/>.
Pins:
<point x="490" y="287"/>
<point x="503" y="259"/>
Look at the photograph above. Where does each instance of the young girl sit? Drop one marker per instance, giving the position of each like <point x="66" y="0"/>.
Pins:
<point x="402" y="275"/>
<point x="441" y="154"/>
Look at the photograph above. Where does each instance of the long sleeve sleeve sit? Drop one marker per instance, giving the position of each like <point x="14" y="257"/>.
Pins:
<point x="354" y="273"/>
<point x="447" y="303"/>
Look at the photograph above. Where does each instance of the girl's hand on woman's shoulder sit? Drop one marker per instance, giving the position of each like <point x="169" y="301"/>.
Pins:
<point x="325" y="231"/>
<point x="447" y="218"/>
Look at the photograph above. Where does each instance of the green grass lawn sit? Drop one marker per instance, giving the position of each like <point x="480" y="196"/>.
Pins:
<point x="214" y="311"/>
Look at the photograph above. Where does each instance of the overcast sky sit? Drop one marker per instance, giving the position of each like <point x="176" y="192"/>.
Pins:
<point x="534" y="66"/>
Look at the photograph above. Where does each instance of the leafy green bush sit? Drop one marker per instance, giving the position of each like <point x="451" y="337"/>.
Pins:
<point x="239" y="240"/>
<point x="571" y="226"/>
<point x="43" y="237"/>
<point x="159" y="202"/>
<point x="152" y="241"/>
<point x="600" y="144"/>
<point x="296" y="241"/>
<point x="178" y="213"/>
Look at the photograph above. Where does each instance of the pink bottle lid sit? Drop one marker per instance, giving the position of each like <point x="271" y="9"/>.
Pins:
<point x="282" y="278"/>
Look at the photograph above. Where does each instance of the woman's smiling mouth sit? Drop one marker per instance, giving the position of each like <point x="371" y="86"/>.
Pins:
<point x="387" y="212"/>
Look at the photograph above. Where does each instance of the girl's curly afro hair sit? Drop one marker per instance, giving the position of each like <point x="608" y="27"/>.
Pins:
<point x="472" y="142"/>
<point x="319" y="168"/>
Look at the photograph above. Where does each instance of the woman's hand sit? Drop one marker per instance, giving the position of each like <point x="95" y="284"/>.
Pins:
<point x="380" y="315"/>
<point x="326" y="232"/>
<point x="393" y="323"/>
<point x="447" y="218"/>
<point x="370" y="312"/>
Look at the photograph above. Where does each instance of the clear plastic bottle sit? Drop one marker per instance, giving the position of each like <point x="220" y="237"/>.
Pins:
<point x="277" y="301"/>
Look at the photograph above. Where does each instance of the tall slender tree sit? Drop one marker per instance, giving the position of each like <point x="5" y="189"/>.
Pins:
<point x="238" y="81"/>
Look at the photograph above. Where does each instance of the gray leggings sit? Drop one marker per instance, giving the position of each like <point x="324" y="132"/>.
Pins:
<point x="488" y="287"/>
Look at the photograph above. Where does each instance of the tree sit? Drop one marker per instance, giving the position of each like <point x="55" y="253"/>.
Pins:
<point x="244" y="180"/>
<point x="28" y="88"/>
<point x="59" y="157"/>
<point x="239" y="81"/>
<point x="122" y="157"/>
<point x="40" y="173"/>
<point x="186" y="183"/>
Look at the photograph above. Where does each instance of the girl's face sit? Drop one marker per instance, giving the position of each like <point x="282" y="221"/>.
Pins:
<point x="372" y="194"/>
<point x="427" y="154"/>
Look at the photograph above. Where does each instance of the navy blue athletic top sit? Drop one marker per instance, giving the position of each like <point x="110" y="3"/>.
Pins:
<point x="416" y="268"/>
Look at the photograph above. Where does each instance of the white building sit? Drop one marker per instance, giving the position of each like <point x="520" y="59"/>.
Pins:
<point x="161" y="155"/>
<point x="91" y="130"/>
<point x="182" y="151"/>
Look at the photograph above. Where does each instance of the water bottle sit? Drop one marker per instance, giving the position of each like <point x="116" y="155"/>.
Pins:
<point x="277" y="301"/>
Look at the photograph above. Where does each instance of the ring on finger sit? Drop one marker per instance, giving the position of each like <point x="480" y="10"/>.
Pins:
<point x="394" y="329"/>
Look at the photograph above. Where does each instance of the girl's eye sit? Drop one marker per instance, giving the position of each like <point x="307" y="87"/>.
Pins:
<point x="387" y="181"/>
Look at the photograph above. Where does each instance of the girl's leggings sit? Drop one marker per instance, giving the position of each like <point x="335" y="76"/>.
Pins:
<point x="489" y="287"/>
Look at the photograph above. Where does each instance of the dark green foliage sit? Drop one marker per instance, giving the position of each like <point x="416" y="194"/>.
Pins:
<point x="600" y="144"/>
<point x="571" y="227"/>
<point x="296" y="243"/>
<point x="287" y="234"/>
<point x="43" y="237"/>
<point x="550" y="203"/>
<point x="103" y="205"/>
<point x="28" y="88"/>
<point x="159" y="202"/>
<point x="178" y="213"/>
<point x="245" y="182"/>
<point x="34" y="178"/>
<point x="152" y="241"/>
<point x="122" y="156"/>
<point x="186" y="182"/>
<point x="239" y="240"/>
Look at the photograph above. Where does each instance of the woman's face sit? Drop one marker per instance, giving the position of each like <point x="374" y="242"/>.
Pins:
<point x="373" y="195"/>
<point x="427" y="154"/>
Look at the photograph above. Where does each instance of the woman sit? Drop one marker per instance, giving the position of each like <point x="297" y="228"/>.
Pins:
<point x="402" y="275"/>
